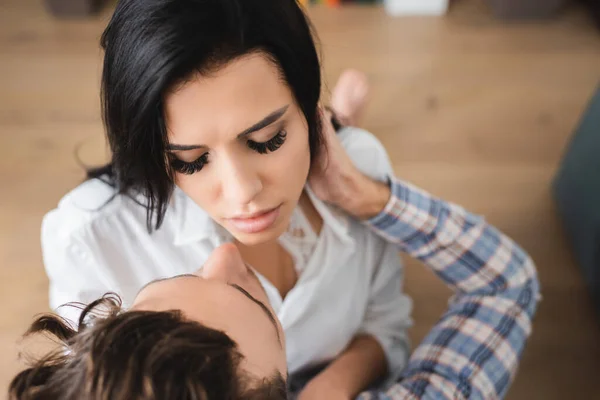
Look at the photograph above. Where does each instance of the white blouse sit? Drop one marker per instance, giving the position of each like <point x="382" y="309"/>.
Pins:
<point x="350" y="280"/>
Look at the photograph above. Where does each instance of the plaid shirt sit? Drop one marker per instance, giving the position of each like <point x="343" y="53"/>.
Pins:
<point x="474" y="349"/>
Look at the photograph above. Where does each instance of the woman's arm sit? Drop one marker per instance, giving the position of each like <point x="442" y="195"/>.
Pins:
<point x="73" y="273"/>
<point x="362" y="363"/>
<point x="380" y="350"/>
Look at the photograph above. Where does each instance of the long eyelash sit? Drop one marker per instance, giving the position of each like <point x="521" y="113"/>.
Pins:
<point x="270" y="145"/>
<point x="189" y="168"/>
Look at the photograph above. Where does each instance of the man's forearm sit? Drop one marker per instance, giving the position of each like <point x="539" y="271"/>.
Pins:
<point x="474" y="350"/>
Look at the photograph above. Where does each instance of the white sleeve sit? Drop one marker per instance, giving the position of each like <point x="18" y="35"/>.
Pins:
<point x="388" y="313"/>
<point x="387" y="317"/>
<point x="70" y="266"/>
<point x="366" y="152"/>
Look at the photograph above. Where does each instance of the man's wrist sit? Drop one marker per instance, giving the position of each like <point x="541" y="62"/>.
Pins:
<point x="366" y="198"/>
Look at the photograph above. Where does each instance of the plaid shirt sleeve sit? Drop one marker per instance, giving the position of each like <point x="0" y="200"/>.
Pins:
<point x="474" y="349"/>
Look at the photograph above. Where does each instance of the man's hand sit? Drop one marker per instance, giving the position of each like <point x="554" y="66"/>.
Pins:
<point x="333" y="171"/>
<point x="335" y="179"/>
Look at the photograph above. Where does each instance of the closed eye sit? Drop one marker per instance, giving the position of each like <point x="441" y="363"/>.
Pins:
<point x="260" y="147"/>
<point x="189" y="168"/>
<point x="270" y="145"/>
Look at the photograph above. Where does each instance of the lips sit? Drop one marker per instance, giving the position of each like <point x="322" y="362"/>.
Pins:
<point x="256" y="222"/>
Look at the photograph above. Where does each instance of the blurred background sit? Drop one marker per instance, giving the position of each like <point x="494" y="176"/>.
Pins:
<point x="487" y="103"/>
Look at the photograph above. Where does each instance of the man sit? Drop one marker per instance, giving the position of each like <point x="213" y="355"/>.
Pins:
<point x="224" y="342"/>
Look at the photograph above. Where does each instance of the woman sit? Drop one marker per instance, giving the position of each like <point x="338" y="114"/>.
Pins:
<point x="211" y="112"/>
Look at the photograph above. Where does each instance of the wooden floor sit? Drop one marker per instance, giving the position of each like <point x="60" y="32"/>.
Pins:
<point x="472" y="109"/>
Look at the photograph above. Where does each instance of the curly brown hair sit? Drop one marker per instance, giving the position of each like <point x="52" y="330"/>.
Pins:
<point x="135" y="355"/>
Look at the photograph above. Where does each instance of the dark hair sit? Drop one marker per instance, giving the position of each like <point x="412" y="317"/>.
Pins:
<point x="138" y="355"/>
<point x="152" y="46"/>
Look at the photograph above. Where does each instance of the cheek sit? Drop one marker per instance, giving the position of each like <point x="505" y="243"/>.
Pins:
<point x="200" y="190"/>
<point x="289" y="166"/>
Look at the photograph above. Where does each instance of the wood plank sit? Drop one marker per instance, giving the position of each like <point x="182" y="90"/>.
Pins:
<point x="473" y="109"/>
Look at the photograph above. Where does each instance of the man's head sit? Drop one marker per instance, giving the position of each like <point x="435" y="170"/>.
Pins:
<point x="210" y="335"/>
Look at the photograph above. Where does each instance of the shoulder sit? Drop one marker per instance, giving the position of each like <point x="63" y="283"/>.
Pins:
<point x="95" y="214"/>
<point x="367" y="152"/>
<point x="88" y="204"/>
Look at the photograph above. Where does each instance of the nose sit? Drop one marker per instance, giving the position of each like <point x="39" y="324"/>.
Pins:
<point x="240" y="181"/>
<point x="225" y="264"/>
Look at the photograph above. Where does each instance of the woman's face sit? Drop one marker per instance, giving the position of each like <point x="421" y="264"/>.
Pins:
<point x="239" y="147"/>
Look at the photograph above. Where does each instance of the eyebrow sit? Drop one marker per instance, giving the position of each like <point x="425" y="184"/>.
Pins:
<point x="263" y="123"/>
<point x="160" y="280"/>
<point x="233" y="285"/>
<point x="262" y="305"/>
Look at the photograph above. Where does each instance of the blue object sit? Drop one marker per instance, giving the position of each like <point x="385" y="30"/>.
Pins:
<point x="576" y="190"/>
